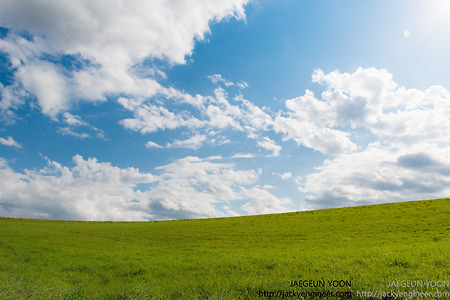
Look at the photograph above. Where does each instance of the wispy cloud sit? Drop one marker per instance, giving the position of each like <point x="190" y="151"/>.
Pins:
<point x="74" y="122"/>
<point x="151" y="144"/>
<point x="10" y="142"/>
<point x="217" y="78"/>
<point x="193" y="142"/>
<point x="68" y="131"/>
<point x="270" y="145"/>
<point x="243" y="155"/>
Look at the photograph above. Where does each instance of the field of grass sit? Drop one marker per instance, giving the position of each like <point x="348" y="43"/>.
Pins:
<point x="228" y="258"/>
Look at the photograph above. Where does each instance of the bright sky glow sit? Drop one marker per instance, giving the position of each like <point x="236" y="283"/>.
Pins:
<point x="152" y="110"/>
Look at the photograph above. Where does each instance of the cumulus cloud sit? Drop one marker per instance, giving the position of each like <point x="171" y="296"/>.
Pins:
<point x="107" y="44"/>
<point x="409" y="156"/>
<point x="151" y="118"/>
<point x="9" y="141"/>
<point x="89" y="190"/>
<point x="121" y="33"/>
<point x="55" y="87"/>
<point x="202" y="115"/>
<point x="190" y="187"/>
<point x="221" y="113"/>
<point x="105" y="40"/>
<point x="44" y="80"/>
<point x="370" y="98"/>
<point x="378" y="175"/>
<point x="287" y="175"/>
<point x="309" y="122"/>
<point x="198" y="186"/>
<point x="215" y="182"/>
<point x="263" y="202"/>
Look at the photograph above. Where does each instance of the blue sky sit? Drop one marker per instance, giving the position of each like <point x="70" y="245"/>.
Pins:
<point x="153" y="110"/>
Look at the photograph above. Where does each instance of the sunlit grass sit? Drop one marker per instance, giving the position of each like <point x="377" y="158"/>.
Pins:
<point x="230" y="258"/>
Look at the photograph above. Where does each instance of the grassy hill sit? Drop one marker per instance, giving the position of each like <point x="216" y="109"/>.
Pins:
<point x="359" y="249"/>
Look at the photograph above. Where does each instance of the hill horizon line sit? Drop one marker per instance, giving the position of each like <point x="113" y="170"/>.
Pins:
<point x="209" y="218"/>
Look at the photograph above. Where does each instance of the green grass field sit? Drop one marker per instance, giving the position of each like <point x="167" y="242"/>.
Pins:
<point x="229" y="258"/>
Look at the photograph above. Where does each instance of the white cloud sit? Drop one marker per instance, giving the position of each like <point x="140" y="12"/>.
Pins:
<point x="151" y="118"/>
<point x="9" y="141"/>
<point x="193" y="142"/>
<point x="218" y="141"/>
<point x="44" y="80"/>
<point x="11" y="97"/>
<point x="94" y="84"/>
<point x="263" y="202"/>
<point x="210" y="182"/>
<point x="73" y="120"/>
<point x="151" y="144"/>
<point x="87" y="191"/>
<point x="369" y="98"/>
<point x="190" y="187"/>
<point x="243" y="155"/>
<point x="409" y="159"/>
<point x="308" y="122"/>
<point x="221" y="114"/>
<point x="378" y="175"/>
<point x="287" y="175"/>
<point x="254" y="117"/>
<point x="110" y="40"/>
<point x="213" y="115"/>
<point x="70" y="132"/>
<point x="22" y="51"/>
<point x="196" y="185"/>
<point x="270" y="145"/>
<point x="411" y="126"/>
<point x="284" y="176"/>
<point x="216" y="78"/>
<point x="123" y="33"/>
<point x="242" y="84"/>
